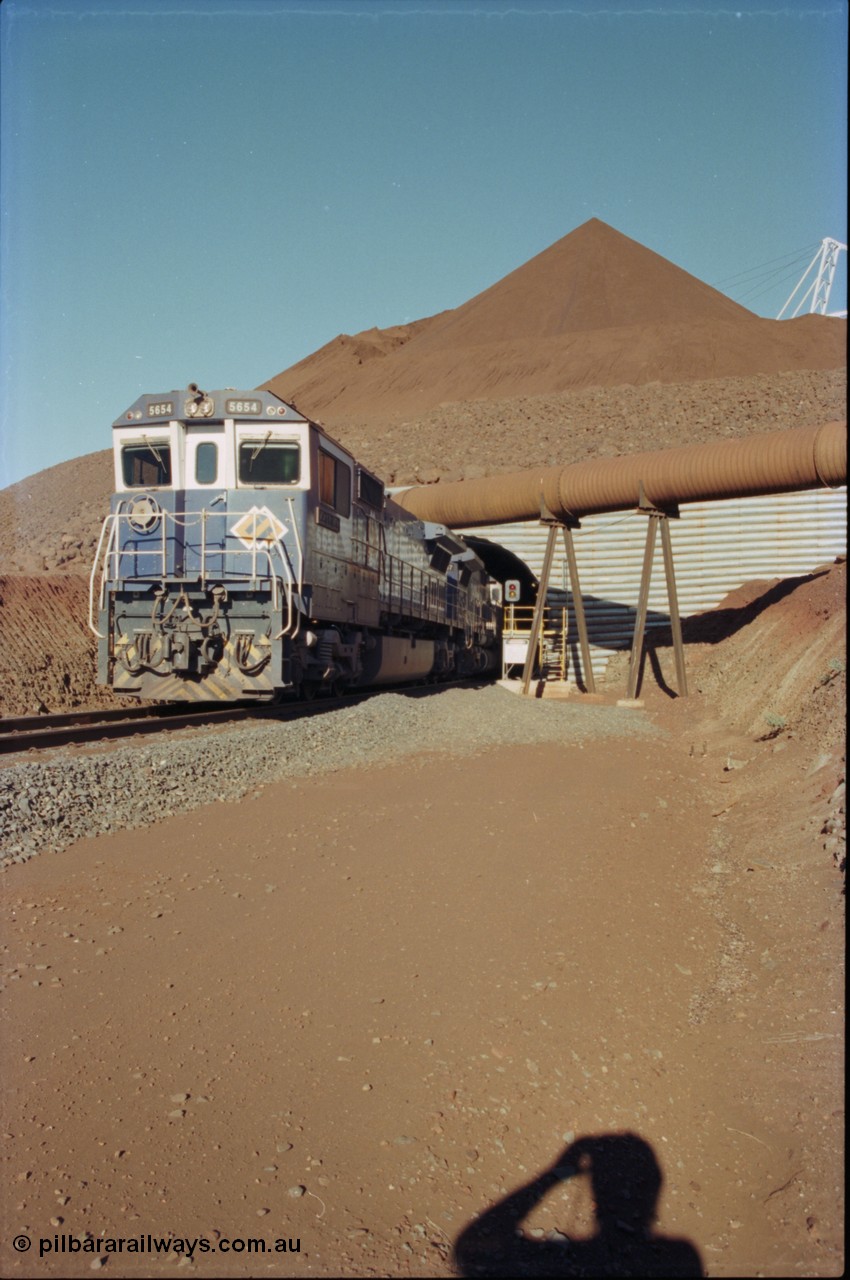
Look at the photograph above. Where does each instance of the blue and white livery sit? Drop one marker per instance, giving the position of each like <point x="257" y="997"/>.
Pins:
<point x="247" y="554"/>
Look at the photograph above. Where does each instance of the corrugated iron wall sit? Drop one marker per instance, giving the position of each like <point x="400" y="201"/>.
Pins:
<point x="716" y="547"/>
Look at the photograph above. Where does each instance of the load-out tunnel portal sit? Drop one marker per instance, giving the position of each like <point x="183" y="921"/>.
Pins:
<point x="656" y="483"/>
<point x="505" y="565"/>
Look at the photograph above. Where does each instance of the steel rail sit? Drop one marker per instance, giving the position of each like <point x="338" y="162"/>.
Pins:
<point x="27" y="733"/>
<point x="59" y="719"/>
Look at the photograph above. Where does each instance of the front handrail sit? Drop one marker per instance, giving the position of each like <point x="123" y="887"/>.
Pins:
<point x="109" y="555"/>
<point x="300" y="578"/>
<point x="108" y="523"/>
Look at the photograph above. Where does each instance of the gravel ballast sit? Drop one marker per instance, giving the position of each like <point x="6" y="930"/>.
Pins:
<point x="50" y="803"/>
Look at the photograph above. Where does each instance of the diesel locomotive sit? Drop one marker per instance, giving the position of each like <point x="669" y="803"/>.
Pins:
<point x="248" y="555"/>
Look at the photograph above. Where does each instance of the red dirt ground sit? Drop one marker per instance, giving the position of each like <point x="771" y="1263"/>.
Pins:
<point x="426" y="981"/>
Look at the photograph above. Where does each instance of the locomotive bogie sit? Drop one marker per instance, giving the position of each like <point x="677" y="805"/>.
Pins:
<point x="247" y="554"/>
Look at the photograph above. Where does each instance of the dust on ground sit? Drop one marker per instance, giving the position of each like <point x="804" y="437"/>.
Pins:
<point x="359" y="1011"/>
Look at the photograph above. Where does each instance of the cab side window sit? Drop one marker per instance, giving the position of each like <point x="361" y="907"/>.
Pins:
<point x="334" y="483"/>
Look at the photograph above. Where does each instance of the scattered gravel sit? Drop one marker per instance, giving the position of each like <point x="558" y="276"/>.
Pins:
<point x="50" y="803"/>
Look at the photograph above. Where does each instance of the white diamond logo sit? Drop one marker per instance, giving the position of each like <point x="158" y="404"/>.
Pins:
<point x="258" y="526"/>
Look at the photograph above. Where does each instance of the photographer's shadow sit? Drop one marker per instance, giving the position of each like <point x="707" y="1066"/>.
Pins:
<point x="625" y="1181"/>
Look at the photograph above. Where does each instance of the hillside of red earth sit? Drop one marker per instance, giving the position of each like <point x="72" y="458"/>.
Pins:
<point x="768" y="661"/>
<point x="594" y="309"/>
<point x="48" y="655"/>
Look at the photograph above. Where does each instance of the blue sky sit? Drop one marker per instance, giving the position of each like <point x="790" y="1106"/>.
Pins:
<point x="209" y="190"/>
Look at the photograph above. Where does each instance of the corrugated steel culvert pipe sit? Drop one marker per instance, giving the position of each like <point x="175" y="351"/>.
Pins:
<point x="780" y="462"/>
<point x="658" y="482"/>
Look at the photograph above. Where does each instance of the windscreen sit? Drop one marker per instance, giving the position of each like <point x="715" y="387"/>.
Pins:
<point x="269" y="462"/>
<point x="146" y="466"/>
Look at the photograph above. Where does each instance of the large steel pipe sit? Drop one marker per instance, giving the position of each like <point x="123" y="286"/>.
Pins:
<point x="780" y="462"/>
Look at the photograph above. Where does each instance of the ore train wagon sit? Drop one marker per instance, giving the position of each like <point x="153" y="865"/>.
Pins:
<point x="246" y="554"/>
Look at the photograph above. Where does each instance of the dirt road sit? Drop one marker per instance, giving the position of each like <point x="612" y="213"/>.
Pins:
<point x="355" y="1012"/>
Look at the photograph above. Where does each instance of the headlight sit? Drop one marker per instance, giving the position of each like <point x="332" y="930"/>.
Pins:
<point x="143" y="514"/>
<point x="200" y="408"/>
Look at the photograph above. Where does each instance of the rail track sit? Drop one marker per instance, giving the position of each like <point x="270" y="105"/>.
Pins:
<point x="25" y="733"/>
<point x="30" y="733"/>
